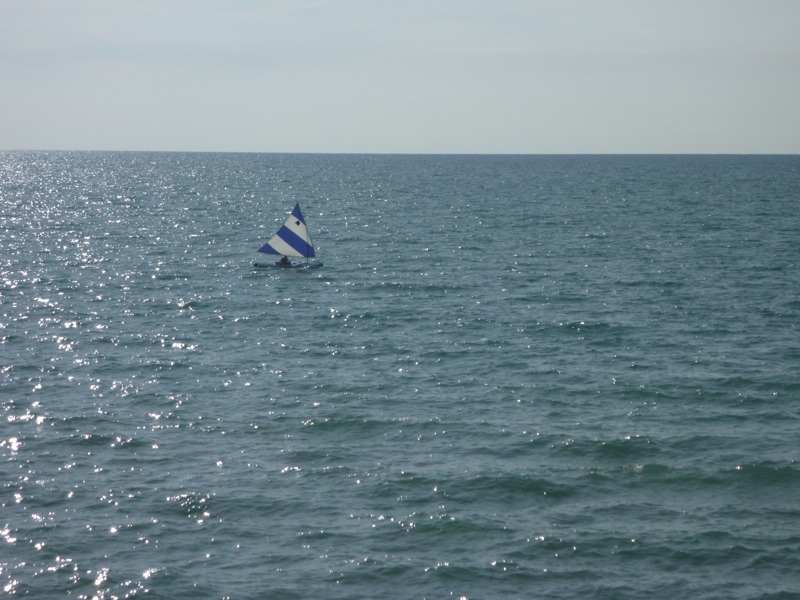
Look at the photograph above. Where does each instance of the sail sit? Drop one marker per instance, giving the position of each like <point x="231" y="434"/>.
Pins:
<point x="292" y="238"/>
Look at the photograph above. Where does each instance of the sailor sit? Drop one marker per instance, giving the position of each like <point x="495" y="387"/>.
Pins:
<point x="285" y="260"/>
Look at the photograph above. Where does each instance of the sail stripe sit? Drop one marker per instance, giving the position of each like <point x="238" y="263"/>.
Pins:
<point x="297" y="214"/>
<point x="288" y="243"/>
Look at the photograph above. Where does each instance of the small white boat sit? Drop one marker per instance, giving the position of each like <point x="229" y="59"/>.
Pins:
<point x="291" y="240"/>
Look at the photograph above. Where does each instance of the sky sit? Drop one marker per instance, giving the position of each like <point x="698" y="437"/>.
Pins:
<point x="401" y="76"/>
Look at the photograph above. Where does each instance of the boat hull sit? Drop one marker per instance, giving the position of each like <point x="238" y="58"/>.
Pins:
<point x="314" y="265"/>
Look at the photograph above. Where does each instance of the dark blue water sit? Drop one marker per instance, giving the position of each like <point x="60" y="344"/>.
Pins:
<point x="515" y="377"/>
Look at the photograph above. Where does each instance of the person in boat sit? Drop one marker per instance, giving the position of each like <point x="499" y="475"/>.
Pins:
<point x="285" y="260"/>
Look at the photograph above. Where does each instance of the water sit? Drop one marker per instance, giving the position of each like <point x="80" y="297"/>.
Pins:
<point x="515" y="377"/>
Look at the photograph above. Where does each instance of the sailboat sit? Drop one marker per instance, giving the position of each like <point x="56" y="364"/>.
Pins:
<point x="291" y="240"/>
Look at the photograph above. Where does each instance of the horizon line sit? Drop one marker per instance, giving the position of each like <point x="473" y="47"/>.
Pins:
<point x="355" y="153"/>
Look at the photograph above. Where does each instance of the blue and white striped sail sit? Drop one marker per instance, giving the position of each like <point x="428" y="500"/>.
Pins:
<point x="292" y="238"/>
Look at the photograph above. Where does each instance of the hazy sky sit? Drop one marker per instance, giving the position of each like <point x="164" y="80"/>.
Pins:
<point x="452" y="76"/>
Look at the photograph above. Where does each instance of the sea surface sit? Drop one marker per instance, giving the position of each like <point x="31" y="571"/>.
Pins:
<point x="514" y="377"/>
